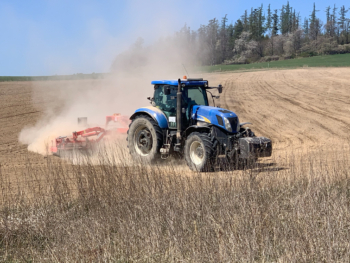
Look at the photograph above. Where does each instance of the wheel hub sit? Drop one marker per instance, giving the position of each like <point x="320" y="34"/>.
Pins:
<point x="196" y="153"/>
<point x="199" y="152"/>
<point x="143" y="141"/>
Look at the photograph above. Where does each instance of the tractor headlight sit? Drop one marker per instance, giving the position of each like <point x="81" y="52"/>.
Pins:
<point x="227" y="125"/>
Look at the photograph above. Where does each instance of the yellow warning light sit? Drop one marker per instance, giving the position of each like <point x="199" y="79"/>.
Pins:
<point x="185" y="77"/>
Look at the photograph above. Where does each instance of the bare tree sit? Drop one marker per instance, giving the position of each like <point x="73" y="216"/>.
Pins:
<point x="245" y="48"/>
<point x="295" y="40"/>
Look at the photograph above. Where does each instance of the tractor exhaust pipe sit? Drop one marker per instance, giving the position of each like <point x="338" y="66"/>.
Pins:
<point x="178" y="112"/>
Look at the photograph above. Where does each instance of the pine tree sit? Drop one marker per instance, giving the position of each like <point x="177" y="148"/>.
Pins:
<point x="231" y="40"/>
<point x="343" y="25"/>
<point x="281" y="25"/>
<point x="289" y="18"/>
<point x="298" y="21"/>
<point x="285" y="19"/>
<point x="328" y="13"/>
<point x="295" y="22"/>
<point x="275" y="23"/>
<point x="261" y="22"/>
<point x="335" y="31"/>
<point x="314" y="27"/>
<point x="238" y="28"/>
<point x="328" y="17"/>
<point x="244" y="20"/>
<point x="223" y="38"/>
<point x="269" y="18"/>
<point x="252" y="23"/>
<point x="306" y="27"/>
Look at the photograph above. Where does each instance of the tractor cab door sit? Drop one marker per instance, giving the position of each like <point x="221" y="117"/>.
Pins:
<point x="194" y="96"/>
<point x="166" y="102"/>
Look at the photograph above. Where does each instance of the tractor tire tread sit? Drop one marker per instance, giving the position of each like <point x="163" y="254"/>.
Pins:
<point x="209" y="148"/>
<point x="158" y="133"/>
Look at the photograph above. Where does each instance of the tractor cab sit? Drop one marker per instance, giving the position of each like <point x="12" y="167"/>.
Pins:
<point x="165" y="97"/>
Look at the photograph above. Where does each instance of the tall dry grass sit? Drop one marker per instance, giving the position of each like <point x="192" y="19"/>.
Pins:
<point x="292" y="208"/>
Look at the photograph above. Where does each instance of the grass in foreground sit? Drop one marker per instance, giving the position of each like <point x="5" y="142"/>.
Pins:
<point x="294" y="211"/>
<point x="340" y="60"/>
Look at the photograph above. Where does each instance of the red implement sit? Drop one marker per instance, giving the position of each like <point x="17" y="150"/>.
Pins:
<point x="85" y="139"/>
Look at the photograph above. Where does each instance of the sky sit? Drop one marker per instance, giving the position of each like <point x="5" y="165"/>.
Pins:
<point x="67" y="37"/>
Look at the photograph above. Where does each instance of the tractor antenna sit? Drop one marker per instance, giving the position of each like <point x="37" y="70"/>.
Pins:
<point x="188" y="75"/>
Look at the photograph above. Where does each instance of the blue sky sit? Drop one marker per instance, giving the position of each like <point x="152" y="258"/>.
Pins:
<point x="66" y="37"/>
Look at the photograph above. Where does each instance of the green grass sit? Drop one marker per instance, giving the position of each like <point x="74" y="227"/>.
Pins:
<point x="54" y="77"/>
<point x="341" y="60"/>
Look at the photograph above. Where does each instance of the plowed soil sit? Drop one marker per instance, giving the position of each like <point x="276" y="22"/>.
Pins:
<point x="304" y="108"/>
<point x="296" y="108"/>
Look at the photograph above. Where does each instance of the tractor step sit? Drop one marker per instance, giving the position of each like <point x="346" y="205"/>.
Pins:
<point x="177" y="147"/>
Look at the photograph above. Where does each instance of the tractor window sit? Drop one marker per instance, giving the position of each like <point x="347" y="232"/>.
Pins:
<point x="197" y="96"/>
<point x="191" y="96"/>
<point x="166" y="103"/>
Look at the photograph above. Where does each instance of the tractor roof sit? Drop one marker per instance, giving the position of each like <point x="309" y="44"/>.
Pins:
<point x="187" y="82"/>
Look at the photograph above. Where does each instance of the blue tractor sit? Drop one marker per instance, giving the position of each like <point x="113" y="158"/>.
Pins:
<point x="180" y="122"/>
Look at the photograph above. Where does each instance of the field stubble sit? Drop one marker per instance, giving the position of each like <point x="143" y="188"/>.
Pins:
<point x="293" y="206"/>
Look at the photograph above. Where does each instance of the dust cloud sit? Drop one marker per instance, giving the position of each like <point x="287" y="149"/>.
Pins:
<point x="123" y="90"/>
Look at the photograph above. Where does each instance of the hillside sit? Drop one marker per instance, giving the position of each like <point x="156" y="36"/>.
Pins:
<point x="339" y="60"/>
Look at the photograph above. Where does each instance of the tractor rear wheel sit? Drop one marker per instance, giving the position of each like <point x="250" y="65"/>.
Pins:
<point x="200" y="152"/>
<point x="145" y="138"/>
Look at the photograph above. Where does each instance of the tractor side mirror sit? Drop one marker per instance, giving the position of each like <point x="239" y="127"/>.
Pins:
<point x="220" y="88"/>
<point x="166" y="90"/>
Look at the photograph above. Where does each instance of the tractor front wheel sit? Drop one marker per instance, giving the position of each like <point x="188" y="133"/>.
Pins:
<point x="199" y="152"/>
<point x="145" y="139"/>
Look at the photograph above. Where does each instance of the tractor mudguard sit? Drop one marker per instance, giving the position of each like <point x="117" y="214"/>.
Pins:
<point x="155" y="113"/>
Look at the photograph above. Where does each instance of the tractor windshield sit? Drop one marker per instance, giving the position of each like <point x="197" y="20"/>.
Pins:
<point x="195" y="95"/>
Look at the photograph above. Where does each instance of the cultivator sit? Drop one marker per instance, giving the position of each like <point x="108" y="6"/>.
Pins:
<point x="88" y="138"/>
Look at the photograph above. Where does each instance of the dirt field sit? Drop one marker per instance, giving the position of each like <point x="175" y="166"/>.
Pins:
<point x="292" y="207"/>
<point x="302" y="108"/>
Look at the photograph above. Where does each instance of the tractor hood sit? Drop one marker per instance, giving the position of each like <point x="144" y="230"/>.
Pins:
<point x="217" y="116"/>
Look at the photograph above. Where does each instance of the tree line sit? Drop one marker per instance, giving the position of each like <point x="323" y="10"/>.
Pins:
<point x="262" y="35"/>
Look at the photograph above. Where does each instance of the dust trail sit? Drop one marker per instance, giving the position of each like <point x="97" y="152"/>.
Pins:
<point x="131" y="72"/>
<point x="122" y="91"/>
